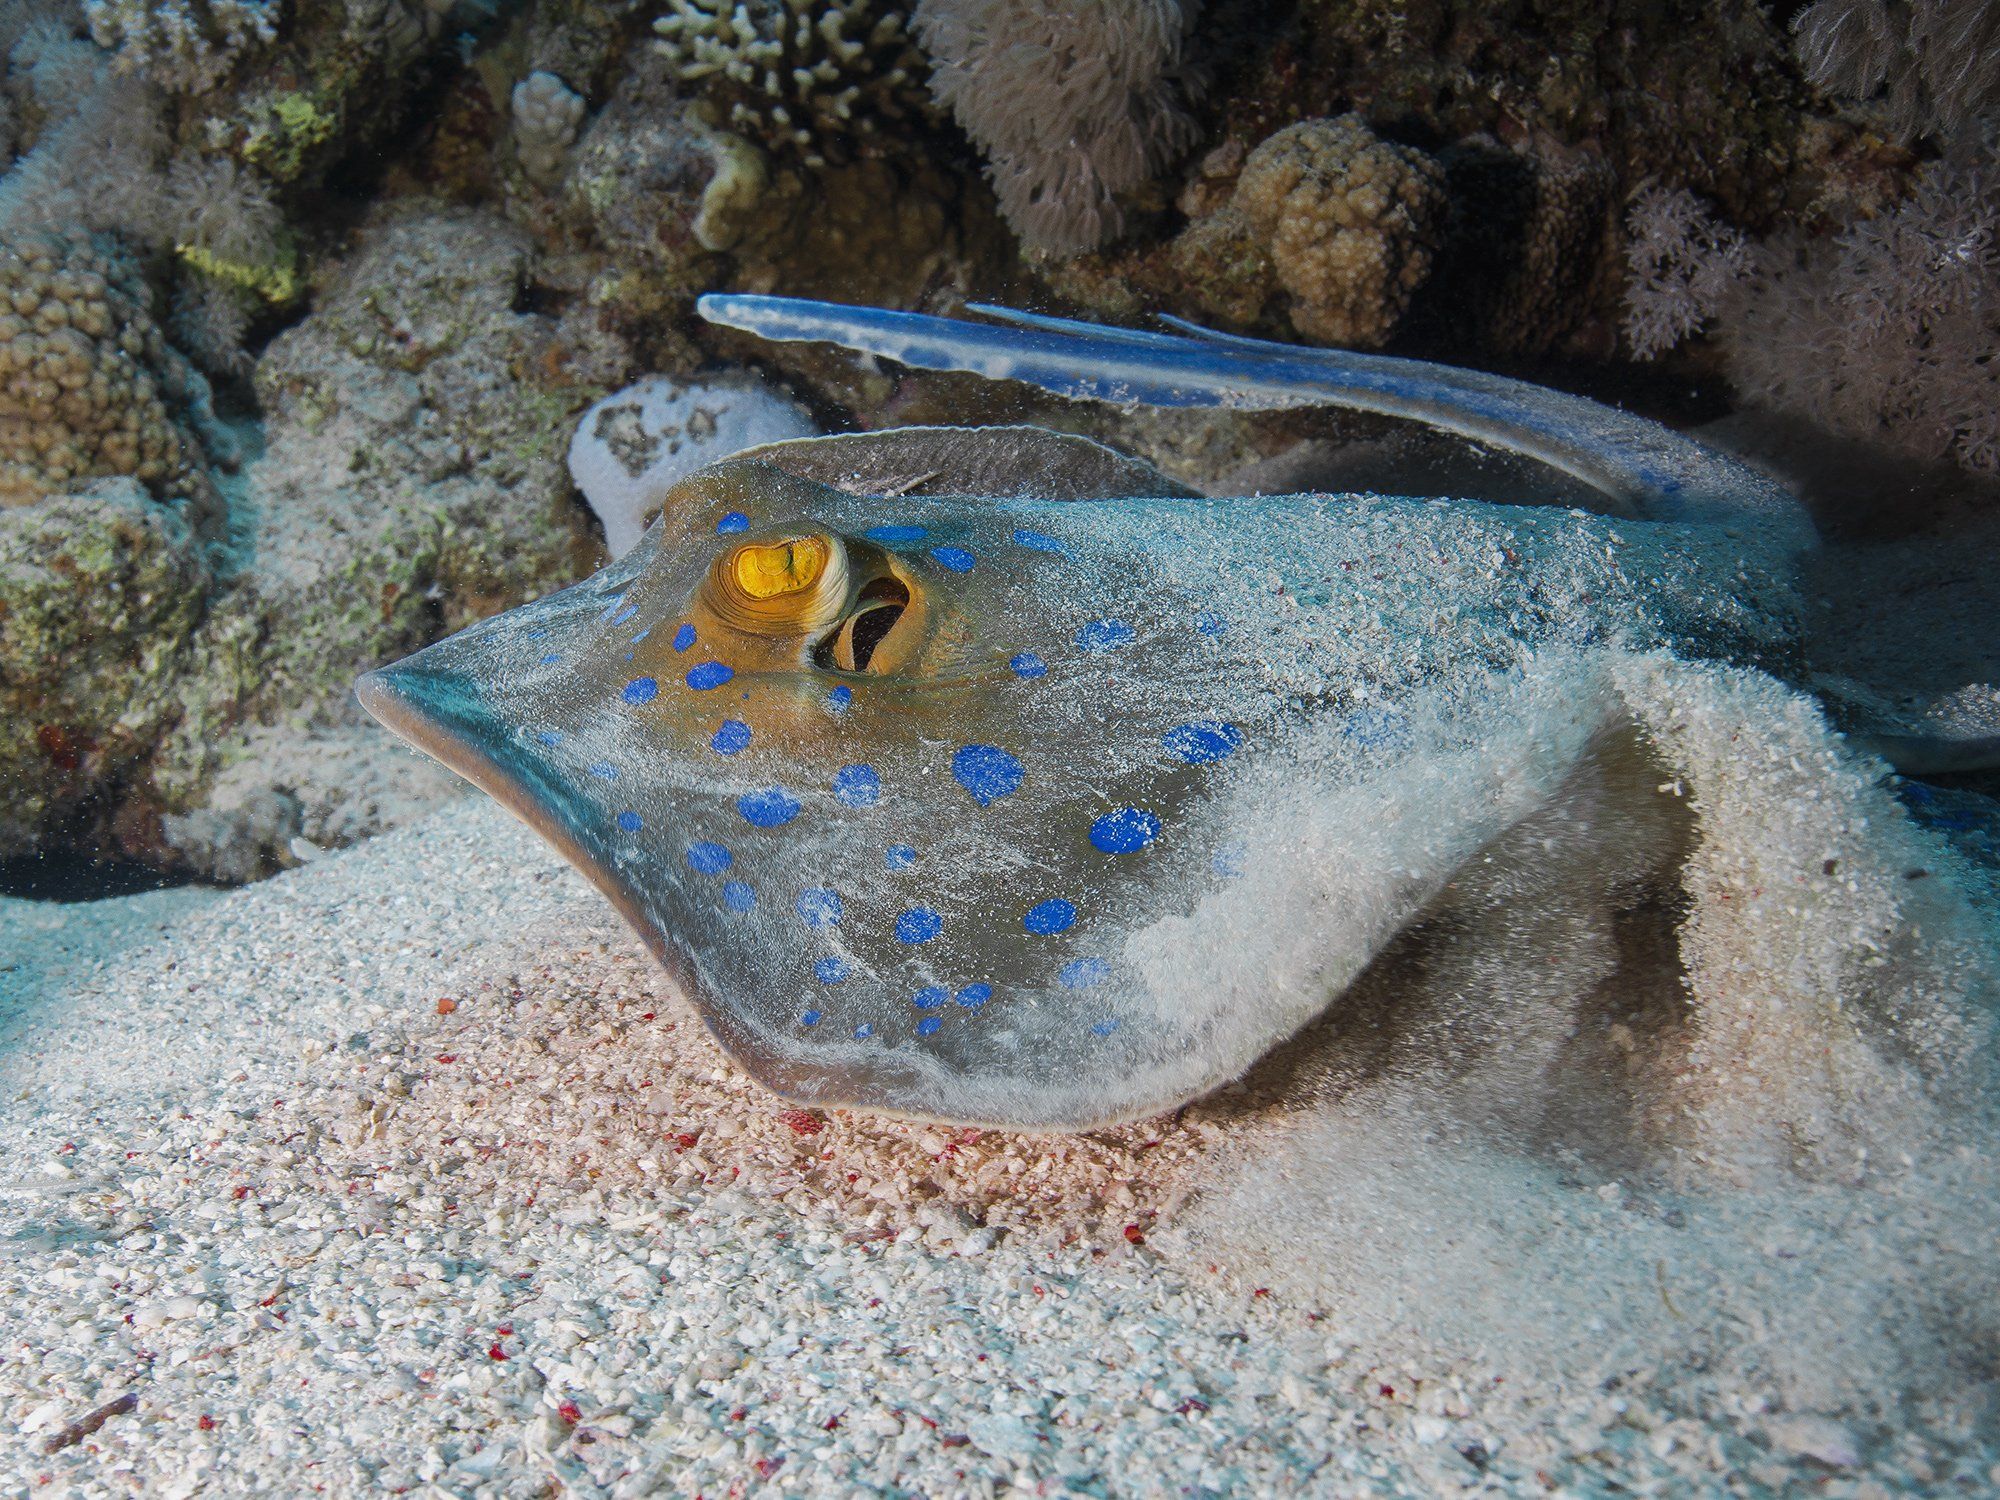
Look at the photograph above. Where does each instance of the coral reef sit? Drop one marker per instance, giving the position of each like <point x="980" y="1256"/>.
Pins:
<point x="1346" y="223"/>
<point x="1071" y="105"/>
<point x="547" y="113"/>
<point x="636" y="444"/>
<point x="1935" y="64"/>
<point x="191" y="45"/>
<point x="815" y="79"/>
<point x="89" y="388"/>
<point x="1525" y="244"/>
<point x="101" y="592"/>
<point x="1884" y="332"/>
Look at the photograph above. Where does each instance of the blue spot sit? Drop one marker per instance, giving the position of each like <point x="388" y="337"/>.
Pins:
<point x="1104" y="1027"/>
<point x="1039" y="541"/>
<point x="891" y="535"/>
<point x="918" y="925"/>
<point x="684" y="637"/>
<point x="737" y="896"/>
<point x="810" y="1018"/>
<point x="986" y="771"/>
<point x="630" y="821"/>
<point x="551" y="659"/>
<point x="857" y="786"/>
<point x="640" y="637"/>
<point x="974" y="995"/>
<point x="771" y="808"/>
<point x="899" y="856"/>
<point x="732" y="523"/>
<point x="710" y="674"/>
<point x="734" y="735"/>
<point x="705" y="858"/>
<point x="603" y="770"/>
<point x="1203" y="741"/>
<point x="1125" y="831"/>
<point x="1103" y="635"/>
<point x="927" y="1025"/>
<point x="1029" y="665"/>
<point x="1082" y="973"/>
<point x="548" y="737"/>
<point x="641" y="690"/>
<point x="1210" y="625"/>
<point x="955" y="558"/>
<point x="538" y="635"/>
<point x="611" y="606"/>
<point x="1049" y="917"/>
<point x="624" y="614"/>
<point x="838" y="697"/>
<point x="832" y="969"/>
<point x="930" y="997"/>
<point x="863" y="1032"/>
<point x="1227" y="860"/>
<point x="819" y="906"/>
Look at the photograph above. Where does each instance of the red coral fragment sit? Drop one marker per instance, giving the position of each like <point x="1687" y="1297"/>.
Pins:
<point x="803" y="1121"/>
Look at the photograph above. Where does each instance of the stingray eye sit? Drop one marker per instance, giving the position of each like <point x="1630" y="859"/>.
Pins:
<point x="782" y="585"/>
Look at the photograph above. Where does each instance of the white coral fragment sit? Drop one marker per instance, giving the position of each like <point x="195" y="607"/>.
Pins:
<point x="547" y="114"/>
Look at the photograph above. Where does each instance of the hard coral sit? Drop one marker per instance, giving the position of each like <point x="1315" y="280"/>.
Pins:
<point x="1527" y="227"/>
<point x="547" y="112"/>
<point x="1072" y="105"/>
<point x="88" y="385"/>
<point x="1347" y="224"/>
<point x="183" y="45"/>
<point x="810" y="80"/>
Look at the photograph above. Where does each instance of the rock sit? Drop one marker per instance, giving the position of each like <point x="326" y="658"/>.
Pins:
<point x="634" y="446"/>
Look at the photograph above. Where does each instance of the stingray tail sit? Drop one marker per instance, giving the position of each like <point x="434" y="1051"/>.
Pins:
<point x="1644" y="469"/>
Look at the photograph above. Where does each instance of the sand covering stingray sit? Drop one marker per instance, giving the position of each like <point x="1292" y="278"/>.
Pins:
<point x="988" y="775"/>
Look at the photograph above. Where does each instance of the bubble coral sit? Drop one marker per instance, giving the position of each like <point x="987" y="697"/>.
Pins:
<point x="86" y="377"/>
<point x="815" y="81"/>
<point x="1350" y="223"/>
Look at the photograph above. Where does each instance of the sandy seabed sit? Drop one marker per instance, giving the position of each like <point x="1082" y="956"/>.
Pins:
<point x="406" y="1171"/>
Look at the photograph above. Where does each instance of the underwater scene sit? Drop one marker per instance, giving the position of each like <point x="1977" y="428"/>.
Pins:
<point x="1158" y="748"/>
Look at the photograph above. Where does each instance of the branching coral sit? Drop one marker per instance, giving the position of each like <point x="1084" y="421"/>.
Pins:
<point x="1071" y="104"/>
<point x="547" y="112"/>
<point x="1888" y="331"/>
<point x="89" y="383"/>
<point x="182" y="45"/>
<point x="815" y="79"/>
<point x="1936" y="63"/>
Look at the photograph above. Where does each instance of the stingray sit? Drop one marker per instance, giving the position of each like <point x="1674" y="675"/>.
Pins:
<point x="989" y="775"/>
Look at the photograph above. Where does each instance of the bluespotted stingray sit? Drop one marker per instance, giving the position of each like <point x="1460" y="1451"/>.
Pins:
<point x="992" y="776"/>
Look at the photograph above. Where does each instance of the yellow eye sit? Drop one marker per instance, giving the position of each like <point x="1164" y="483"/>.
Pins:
<point x="781" y="586"/>
<point x="768" y="571"/>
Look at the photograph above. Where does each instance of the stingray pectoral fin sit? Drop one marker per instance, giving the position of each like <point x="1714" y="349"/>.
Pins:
<point x="445" y="714"/>
<point x="1651" y="472"/>
<point x="997" y="463"/>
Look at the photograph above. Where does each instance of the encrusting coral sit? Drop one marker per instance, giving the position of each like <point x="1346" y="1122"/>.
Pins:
<point x="1071" y="105"/>
<point x="812" y="79"/>
<point x="1343" y="222"/>
<point x="89" y="387"/>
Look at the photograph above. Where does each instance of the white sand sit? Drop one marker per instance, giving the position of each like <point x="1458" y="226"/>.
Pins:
<point x="405" y="1171"/>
